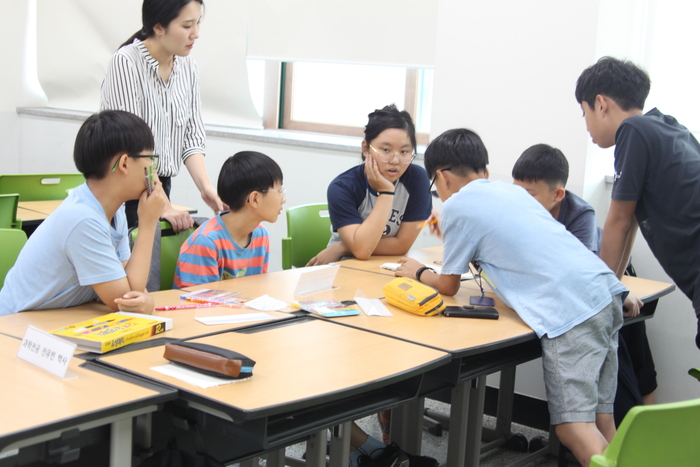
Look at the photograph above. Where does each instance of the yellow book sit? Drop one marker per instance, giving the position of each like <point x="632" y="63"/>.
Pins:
<point x="114" y="330"/>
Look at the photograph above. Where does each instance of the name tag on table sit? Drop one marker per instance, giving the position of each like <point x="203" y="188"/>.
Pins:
<point x="316" y="279"/>
<point x="48" y="352"/>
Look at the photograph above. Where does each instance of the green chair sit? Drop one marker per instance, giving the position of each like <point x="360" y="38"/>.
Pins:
<point x="308" y="232"/>
<point x="655" y="435"/>
<point x="40" y="187"/>
<point x="12" y="241"/>
<point x="8" y="212"/>
<point x="170" y="243"/>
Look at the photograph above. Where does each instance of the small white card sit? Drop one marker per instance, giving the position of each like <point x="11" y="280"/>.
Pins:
<point x="316" y="279"/>
<point x="266" y="303"/>
<point x="48" y="352"/>
<point x="193" y="377"/>
<point x="371" y="306"/>
<point x="230" y="319"/>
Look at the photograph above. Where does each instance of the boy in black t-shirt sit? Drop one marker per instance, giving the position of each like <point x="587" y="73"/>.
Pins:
<point x="657" y="174"/>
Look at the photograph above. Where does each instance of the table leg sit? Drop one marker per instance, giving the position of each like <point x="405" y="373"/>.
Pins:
<point x="316" y="449"/>
<point x="407" y="426"/>
<point x="506" y="392"/>
<point x="275" y="458"/>
<point x="458" y="424"/>
<point x="120" y="443"/>
<point x="475" y="421"/>
<point x="340" y="445"/>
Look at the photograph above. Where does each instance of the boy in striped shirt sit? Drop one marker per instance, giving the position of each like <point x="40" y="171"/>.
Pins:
<point x="234" y="243"/>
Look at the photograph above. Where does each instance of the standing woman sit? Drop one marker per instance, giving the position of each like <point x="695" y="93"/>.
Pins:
<point x="376" y="208"/>
<point x="153" y="76"/>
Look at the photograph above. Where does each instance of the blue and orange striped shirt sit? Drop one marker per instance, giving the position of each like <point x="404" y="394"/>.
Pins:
<point x="210" y="254"/>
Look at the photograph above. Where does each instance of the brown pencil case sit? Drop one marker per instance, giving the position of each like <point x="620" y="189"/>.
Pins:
<point x="210" y="360"/>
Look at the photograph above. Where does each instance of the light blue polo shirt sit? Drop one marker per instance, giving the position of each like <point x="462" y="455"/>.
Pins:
<point x="535" y="265"/>
<point x="74" y="248"/>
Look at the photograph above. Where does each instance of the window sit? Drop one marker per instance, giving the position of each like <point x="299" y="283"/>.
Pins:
<point x="336" y="98"/>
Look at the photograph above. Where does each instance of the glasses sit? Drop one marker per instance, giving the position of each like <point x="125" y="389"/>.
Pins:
<point x="387" y="155"/>
<point x="430" y="188"/>
<point x="154" y="160"/>
<point x="281" y="191"/>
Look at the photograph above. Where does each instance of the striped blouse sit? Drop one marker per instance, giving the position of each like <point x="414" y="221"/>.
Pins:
<point x="210" y="254"/>
<point x="172" y="110"/>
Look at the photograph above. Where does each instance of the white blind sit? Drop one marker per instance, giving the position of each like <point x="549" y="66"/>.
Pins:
<point x="76" y="38"/>
<point x="397" y="32"/>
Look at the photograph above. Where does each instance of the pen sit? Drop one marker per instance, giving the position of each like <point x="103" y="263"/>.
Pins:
<point x="424" y="223"/>
<point x="195" y="305"/>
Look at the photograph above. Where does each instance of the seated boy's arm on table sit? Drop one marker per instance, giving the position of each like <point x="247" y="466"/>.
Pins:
<point x="330" y="254"/>
<point x="446" y="284"/>
<point x="401" y="243"/>
<point x="618" y="235"/>
<point x="110" y="291"/>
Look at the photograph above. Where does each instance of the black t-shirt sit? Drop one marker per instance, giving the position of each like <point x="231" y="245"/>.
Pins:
<point x="657" y="164"/>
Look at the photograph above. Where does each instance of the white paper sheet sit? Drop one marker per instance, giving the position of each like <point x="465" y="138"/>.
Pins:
<point x="230" y="319"/>
<point x="193" y="377"/>
<point x="371" y="306"/>
<point x="266" y="303"/>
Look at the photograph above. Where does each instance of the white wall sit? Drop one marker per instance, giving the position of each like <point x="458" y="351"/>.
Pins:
<point x="505" y="69"/>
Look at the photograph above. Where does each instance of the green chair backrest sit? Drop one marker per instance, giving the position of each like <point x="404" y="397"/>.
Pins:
<point x="12" y="241"/>
<point x="170" y="243"/>
<point x="655" y="435"/>
<point x="8" y="211"/>
<point x="308" y="232"/>
<point x="40" y="187"/>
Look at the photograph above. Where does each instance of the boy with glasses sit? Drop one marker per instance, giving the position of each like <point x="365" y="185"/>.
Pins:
<point x="567" y="295"/>
<point x="234" y="243"/>
<point x="80" y="253"/>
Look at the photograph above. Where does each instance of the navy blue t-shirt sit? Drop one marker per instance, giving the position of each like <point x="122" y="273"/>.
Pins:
<point x="351" y="199"/>
<point x="579" y="218"/>
<point x="657" y="164"/>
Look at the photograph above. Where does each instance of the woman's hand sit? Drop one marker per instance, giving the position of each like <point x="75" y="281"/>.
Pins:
<point x="375" y="178"/>
<point x="211" y="197"/>
<point x="136" y="302"/>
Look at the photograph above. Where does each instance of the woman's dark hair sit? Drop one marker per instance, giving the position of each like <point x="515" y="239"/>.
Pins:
<point x="106" y="134"/>
<point x="244" y="173"/>
<point x="154" y="12"/>
<point x="389" y="117"/>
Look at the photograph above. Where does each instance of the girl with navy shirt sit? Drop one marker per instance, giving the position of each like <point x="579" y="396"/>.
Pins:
<point x="376" y="207"/>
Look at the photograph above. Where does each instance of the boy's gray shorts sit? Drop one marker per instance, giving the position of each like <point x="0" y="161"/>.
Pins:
<point x="580" y="367"/>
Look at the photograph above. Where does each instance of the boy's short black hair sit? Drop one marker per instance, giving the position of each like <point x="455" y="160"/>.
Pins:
<point x="460" y="150"/>
<point x="621" y="80"/>
<point x="243" y="173"/>
<point x="542" y="162"/>
<point x="106" y="134"/>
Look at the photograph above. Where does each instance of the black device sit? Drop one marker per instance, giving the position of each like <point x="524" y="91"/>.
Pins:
<point x="469" y="311"/>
